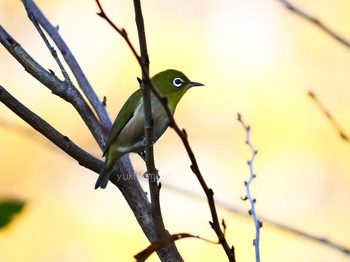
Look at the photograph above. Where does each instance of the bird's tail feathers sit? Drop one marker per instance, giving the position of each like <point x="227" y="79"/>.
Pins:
<point x="103" y="178"/>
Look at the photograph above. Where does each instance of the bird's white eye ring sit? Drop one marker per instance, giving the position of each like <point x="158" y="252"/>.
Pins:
<point x="177" y="82"/>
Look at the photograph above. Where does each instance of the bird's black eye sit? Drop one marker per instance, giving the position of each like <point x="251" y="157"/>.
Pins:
<point x="177" y="82"/>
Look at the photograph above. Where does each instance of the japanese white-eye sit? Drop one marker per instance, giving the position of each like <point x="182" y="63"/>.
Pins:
<point x="128" y="132"/>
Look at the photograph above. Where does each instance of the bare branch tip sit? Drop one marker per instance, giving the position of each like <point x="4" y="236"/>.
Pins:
<point x="223" y="223"/>
<point x="343" y="136"/>
<point x="311" y="94"/>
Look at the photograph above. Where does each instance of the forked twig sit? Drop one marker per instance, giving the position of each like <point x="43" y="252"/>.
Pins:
<point x="144" y="254"/>
<point x="47" y="43"/>
<point x="82" y="80"/>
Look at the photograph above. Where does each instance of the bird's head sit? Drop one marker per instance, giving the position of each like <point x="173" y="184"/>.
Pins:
<point x="173" y="85"/>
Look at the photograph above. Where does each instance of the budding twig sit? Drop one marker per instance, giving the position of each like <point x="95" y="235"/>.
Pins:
<point x="252" y="201"/>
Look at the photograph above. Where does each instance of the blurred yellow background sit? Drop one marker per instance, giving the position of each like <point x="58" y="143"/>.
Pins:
<point x="255" y="58"/>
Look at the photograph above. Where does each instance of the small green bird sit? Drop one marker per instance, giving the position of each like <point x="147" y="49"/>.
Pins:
<point x="128" y="133"/>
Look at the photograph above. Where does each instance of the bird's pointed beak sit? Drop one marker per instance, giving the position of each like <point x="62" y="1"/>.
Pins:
<point x="191" y="84"/>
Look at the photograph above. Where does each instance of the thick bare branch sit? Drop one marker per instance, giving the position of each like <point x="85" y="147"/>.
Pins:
<point x="40" y="125"/>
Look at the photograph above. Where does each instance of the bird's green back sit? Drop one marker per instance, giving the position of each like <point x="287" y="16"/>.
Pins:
<point x="123" y="117"/>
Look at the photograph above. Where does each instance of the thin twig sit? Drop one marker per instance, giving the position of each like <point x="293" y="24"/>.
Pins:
<point x="267" y="221"/>
<point x="183" y="136"/>
<point x="315" y="22"/>
<point x="252" y="201"/>
<point x="124" y="34"/>
<point x="144" y="254"/>
<point x="83" y="82"/>
<point x="331" y="119"/>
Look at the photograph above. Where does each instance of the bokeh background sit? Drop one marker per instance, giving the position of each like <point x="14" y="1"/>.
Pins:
<point x="254" y="57"/>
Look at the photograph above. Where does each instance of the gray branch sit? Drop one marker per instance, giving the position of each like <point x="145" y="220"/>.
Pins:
<point x="252" y="201"/>
<point x="84" y="159"/>
<point x="58" y="87"/>
<point x="83" y="82"/>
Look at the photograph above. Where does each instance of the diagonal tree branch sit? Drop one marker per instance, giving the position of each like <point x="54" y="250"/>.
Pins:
<point x="72" y="63"/>
<point x="315" y="22"/>
<point x="329" y="116"/>
<point x="40" y="125"/>
<point x="267" y="221"/>
<point x="47" y="43"/>
<point x="58" y="87"/>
